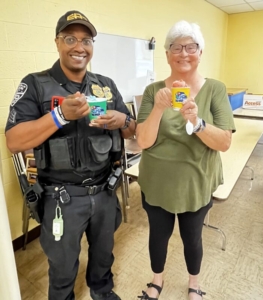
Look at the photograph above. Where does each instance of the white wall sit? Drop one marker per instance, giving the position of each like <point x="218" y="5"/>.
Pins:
<point x="9" y="287"/>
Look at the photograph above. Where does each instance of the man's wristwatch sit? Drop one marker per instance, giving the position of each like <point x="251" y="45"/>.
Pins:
<point x="127" y="122"/>
<point x="200" y="126"/>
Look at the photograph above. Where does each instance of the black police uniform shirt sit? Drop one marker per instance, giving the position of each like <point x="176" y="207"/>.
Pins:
<point x="25" y="107"/>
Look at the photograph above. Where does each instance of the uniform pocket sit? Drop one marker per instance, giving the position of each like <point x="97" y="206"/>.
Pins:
<point x="99" y="146"/>
<point x="62" y="153"/>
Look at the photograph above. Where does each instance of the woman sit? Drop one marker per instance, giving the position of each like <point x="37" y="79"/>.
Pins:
<point x="179" y="172"/>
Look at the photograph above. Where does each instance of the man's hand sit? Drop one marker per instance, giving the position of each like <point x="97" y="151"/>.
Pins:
<point x="113" y="119"/>
<point x="75" y="107"/>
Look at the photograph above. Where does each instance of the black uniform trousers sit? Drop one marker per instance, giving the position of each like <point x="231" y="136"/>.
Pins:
<point x="98" y="216"/>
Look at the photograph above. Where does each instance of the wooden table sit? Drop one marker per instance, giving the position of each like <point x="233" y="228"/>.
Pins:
<point x="248" y="113"/>
<point x="133" y="171"/>
<point x="244" y="140"/>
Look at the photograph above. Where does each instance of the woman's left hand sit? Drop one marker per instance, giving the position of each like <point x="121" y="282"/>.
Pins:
<point x="189" y="111"/>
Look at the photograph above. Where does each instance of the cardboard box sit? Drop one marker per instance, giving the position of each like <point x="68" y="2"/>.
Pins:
<point x="253" y="101"/>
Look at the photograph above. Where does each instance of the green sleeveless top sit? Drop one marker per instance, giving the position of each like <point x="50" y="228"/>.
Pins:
<point x="179" y="172"/>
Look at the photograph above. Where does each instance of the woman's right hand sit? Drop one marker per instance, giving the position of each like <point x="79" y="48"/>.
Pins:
<point x="163" y="99"/>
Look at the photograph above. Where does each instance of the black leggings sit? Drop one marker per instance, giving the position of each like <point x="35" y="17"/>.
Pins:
<point x="161" y="224"/>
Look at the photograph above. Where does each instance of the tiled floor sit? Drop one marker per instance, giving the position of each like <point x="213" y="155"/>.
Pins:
<point x="236" y="274"/>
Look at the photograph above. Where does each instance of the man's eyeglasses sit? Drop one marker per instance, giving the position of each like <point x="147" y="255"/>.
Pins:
<point x="71" y="41"/>
<point x="189" y="48"/>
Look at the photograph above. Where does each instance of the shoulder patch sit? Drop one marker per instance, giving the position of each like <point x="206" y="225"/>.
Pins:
<point x="12" y="116"/>
<point x="22" y="88"/>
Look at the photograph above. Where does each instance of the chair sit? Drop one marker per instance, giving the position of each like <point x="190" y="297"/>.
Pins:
<point x="26" y="171"/>
<point x="132" y="155"/>
<point x="131" y="146"/>
<point x="132" y="150"/>
<point x="126" y="175"/>
<point x="137" y="101"/>
<point x="31" y="169"/>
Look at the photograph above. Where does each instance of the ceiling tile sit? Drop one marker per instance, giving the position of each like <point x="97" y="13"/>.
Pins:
<point x="220" y="3"/>
<point x="251" y="1"/>
<point x="257" y="5"/>
<point x="237" y="6"/>
<point x="235" y="9"/>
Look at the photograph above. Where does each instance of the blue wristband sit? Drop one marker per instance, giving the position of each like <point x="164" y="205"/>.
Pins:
<point x="55" y="119"/>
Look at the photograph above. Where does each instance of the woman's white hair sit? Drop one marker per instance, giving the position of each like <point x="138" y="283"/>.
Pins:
<point x="183" y="29"/>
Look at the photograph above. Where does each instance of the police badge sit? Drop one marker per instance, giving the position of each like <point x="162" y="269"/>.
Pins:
<point x="107" y="93"/>
<point x="97" y="91"/>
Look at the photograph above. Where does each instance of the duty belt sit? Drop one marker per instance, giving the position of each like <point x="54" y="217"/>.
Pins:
<point x="75" y="191"/>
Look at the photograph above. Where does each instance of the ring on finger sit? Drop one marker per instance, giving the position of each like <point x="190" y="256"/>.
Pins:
<point x="105" y="126"/>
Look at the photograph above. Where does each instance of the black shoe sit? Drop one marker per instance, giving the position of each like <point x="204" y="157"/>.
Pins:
<point x="104" y="296"/>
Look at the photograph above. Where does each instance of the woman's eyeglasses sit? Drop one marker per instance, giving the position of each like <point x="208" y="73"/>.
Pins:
<point x="189" y="48"/>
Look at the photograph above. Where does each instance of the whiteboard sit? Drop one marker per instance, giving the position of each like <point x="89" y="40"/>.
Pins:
<point x="127" y="61"/>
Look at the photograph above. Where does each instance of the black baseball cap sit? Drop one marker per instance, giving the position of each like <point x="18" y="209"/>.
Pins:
<point x="74" y="17"/>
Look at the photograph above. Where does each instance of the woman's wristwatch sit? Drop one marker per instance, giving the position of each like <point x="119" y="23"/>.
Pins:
<point x="127" y="122"/>
<point x="200" y="126"/>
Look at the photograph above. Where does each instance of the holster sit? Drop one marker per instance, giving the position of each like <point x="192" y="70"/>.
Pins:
<point x="41" y="156"/>
<point x="32" y="197"/>
<point x="114" y="180"/>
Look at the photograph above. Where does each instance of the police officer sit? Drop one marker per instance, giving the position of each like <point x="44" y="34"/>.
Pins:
<point x="74" y="158"/>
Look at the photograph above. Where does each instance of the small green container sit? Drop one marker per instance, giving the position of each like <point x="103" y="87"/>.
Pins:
<point x="98" y="107"/>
